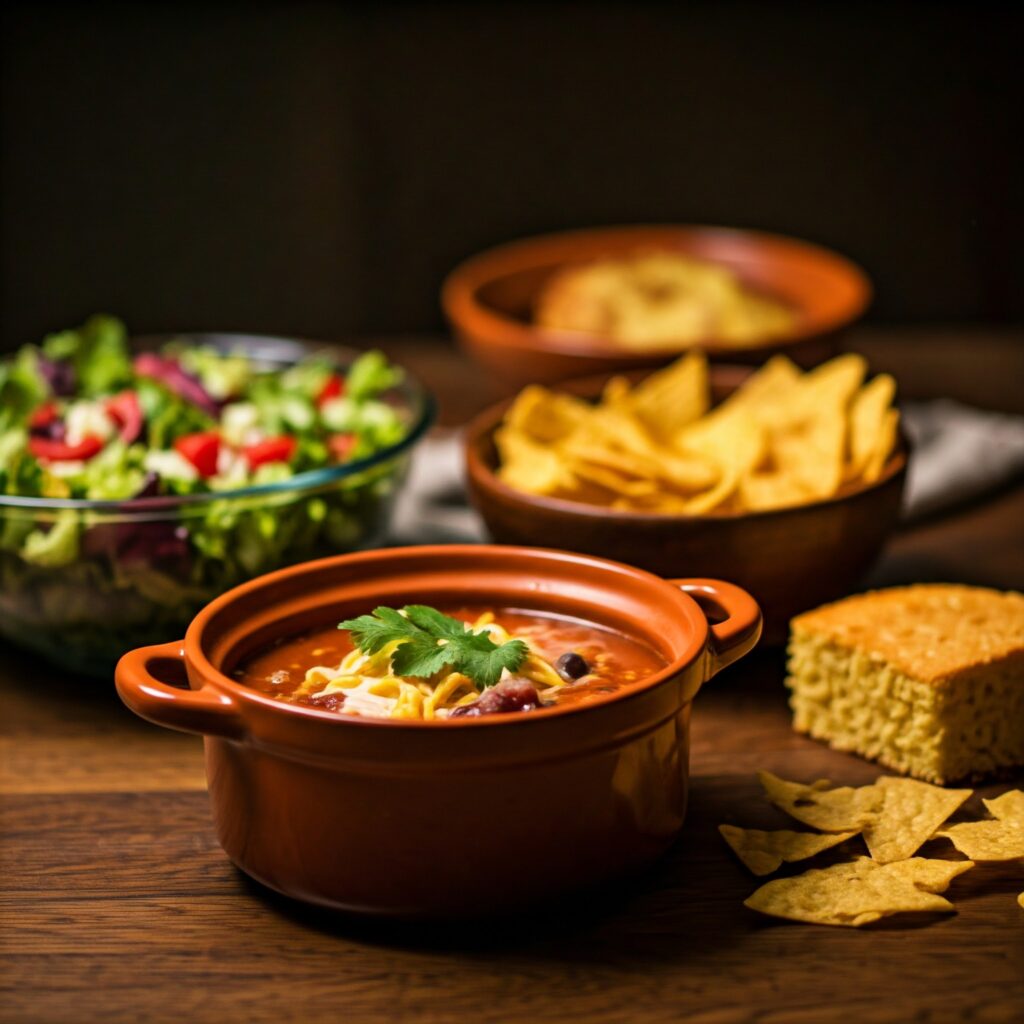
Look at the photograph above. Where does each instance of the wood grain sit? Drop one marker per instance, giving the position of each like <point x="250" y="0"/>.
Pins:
<point x="118" y="906"/>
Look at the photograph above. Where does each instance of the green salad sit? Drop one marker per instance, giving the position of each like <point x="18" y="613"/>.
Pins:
<point x="173" y="441"/>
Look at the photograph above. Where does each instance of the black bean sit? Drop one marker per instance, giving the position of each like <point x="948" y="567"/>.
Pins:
<point x="572" y="666"/>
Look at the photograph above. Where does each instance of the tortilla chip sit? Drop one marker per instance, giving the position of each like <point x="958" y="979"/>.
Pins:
<point x="688" y="474"/>
<point x="760" y="492"/>
<point x="544" y="415"/>
<point x="1001" y="839"/>
<point x="614" y="481"/>
<point x="860" y="892"/>
<point x="765" y="393"/>
<point x="734" y="442"/>
<point x="765" y="852"/>
<point x="676" y="473"/>
<point x="1020" y="900"/>
<point x="832" y="810"/>
<point x="908" y="816"/>
<point x="815" y="454"/>
<point x="616" y="391"/>
<point x="885" y="447"/>
<point x="528" y="465"/>
<point x="620" y="428"/>
<point x="986" y="840"/>
<point x="1009" y="807"/>
<point x="732" y="438"/>
<point x="867" y="421"/>
<point x="784" y="405"/>
<point x="584" y="447"/>
<point x="671" y="399"/>
<point x="831" y="385"/>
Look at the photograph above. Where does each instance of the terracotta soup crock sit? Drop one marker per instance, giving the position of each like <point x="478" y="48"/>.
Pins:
<point x="454" y="817"/>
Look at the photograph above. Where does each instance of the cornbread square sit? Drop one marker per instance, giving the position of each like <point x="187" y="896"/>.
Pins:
<point x="927" y="680"/>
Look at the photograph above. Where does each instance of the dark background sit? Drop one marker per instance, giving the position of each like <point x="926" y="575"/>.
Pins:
<point x="318" y="168"/>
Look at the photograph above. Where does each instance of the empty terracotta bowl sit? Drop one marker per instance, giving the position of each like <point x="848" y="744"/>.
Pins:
<point x="460" y="816"/>
<point x="789" y="559"/>
<point x="489" y="298"/>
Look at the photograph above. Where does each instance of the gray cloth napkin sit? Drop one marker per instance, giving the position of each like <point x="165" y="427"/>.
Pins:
<point x="433" y="507"/>
<point x="960" y="454"/>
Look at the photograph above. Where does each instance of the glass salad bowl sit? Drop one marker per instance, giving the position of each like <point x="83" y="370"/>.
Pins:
<point x="83" y="581"/>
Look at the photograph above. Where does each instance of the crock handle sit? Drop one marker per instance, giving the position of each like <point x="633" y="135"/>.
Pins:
<point x="203" y="711"/>
<point x="736" y="633"/>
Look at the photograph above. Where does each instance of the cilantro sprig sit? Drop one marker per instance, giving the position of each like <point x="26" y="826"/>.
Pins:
<point x="430" y="641"/>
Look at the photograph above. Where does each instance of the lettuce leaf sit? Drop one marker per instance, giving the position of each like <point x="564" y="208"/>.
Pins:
<point x="223" y="376"/>
<point x="168" y="415"/>
<point x="371" y="374"/>
<point x="55" y="547"/>
<point x="98" y="350"/>
<point x="19" y="472"/>
<point x="22" y="387"/>
<point x="115" y="474"/>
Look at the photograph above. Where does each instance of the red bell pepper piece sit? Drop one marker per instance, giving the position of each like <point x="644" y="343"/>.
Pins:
<point x="341" y="445"/>
<point x="126" y="412"/>
<point x="334" y="387"/>
<point x="201" y="450"/>
<point x="43" y="416"/>
<point x="59" y="451"/>
<point x="272" y="449"/>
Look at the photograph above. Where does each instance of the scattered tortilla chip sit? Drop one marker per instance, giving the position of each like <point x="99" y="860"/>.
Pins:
<point x="765" y="852"/>
<point x="860" y="892"/>
<point x="843" y="809"/>
<point x="1000" y="839"/>
<point x="1009" y="807"/>
<point x="1020" y="900"/>
<point x="986" y="840"/>
<point x="908" y="816"/>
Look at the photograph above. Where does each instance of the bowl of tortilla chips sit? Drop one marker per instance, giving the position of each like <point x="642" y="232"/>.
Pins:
<point x="783" y="482"/>
<point x="614" y="298"/>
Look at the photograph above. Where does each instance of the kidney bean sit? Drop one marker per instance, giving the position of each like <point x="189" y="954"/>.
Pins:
<point x="509" y="695"/>
<point x="328" y="701"/>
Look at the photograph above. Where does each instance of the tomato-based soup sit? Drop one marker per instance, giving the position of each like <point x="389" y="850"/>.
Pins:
<point x="568" y="662"/>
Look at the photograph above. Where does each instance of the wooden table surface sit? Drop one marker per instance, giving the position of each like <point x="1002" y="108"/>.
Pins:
<point x="117" y="904"/>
